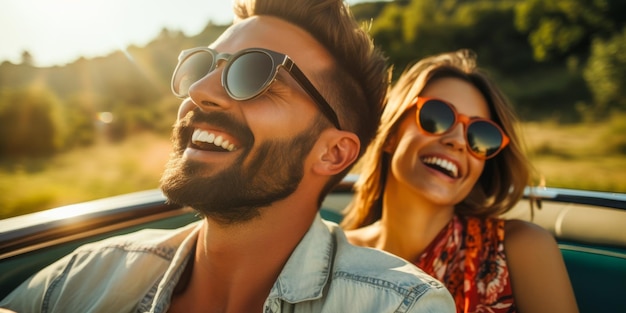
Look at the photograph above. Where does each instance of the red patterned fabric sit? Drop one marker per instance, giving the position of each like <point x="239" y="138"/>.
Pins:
<point x="468" y="257"/>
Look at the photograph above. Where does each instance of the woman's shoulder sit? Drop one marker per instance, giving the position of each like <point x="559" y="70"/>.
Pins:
<point x="526" y="238"/>
<point x="538" y="274"/>
<point x="519" y="230"/>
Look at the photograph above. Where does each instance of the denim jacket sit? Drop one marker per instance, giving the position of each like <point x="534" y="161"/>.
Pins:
<point x="138" y="272"/>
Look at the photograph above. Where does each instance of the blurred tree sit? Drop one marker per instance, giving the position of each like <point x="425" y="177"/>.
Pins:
<point x="17" y="75"/>
<point x="80" y="120"/>
<point x="388" y="35"/>
<point x="27" y="58"/>
<point x="410" y="30"/>
<point x="486" y="27"/>
<point x="605" y="73"/>
<point x="560" y="28"/>
<point x="30" y="122"/>
<point x="368" y="11"/>
<point x="60" y="112"/>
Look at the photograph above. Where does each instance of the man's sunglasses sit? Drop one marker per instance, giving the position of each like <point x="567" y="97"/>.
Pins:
<point x="484" y="137"/>
<point x="247" y="74"/>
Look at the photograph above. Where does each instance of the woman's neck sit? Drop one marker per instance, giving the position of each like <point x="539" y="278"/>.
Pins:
<point x="409" y="223"/>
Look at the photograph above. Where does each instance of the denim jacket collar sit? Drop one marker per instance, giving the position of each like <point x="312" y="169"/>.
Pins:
<point x="308" y="269"/>
<point x="303" y="277"/>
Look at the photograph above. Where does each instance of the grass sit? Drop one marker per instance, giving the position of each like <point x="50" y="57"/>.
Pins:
<point x="584" y="156"/>
<point x="83" y="174"/>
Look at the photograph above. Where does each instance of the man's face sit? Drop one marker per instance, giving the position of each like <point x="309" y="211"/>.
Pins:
<point x="233" y="157"/>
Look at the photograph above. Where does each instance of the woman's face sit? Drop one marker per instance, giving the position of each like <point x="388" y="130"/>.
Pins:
<point x="439" y="168"/>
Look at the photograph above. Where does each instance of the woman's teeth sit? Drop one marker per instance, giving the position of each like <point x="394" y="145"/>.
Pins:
<point x="448" y="167"/>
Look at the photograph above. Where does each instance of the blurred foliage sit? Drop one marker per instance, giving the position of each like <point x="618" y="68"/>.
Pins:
<point x="48" y="110"/>
<point x="560" y="28"/>
<point x="605" y="73"/>
<point x="30" y="121"/>
<point x="558" y="60"/>
<point x="614" y="139"/>
<point x="411" y="30"/>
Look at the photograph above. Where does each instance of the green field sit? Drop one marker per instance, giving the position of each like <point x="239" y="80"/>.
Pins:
<point x="82" y="174"/>
<point x="584" y="156"/>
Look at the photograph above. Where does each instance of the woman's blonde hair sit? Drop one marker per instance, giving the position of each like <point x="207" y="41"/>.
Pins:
<point x="504" y="177"/>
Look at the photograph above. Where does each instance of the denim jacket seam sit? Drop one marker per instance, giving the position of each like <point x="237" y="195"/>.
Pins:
<point x="170" y="285"/>
<point x="146" y="302"/>
<point x="45" y="305"/>
<point x="410" y="295"/>
<point x="322" y="274"/>
<point x="166" y="253"/>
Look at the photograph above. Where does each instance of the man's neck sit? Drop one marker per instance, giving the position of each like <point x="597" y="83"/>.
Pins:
<point x="235" y="266"/>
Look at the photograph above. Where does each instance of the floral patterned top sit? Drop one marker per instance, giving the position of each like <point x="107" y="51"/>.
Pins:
<point x="468" y="257"/>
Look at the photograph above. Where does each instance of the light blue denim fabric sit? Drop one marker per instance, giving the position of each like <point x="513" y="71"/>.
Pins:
<point x="138" y="272"/>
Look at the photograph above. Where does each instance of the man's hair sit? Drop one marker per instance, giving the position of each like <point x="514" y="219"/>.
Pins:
<point x="356" y="88"/>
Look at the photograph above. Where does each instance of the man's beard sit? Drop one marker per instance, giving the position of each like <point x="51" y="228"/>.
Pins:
<point x="237" y="193"/>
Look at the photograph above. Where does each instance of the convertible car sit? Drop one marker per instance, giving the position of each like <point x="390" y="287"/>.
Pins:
<point x="589" y="226"/>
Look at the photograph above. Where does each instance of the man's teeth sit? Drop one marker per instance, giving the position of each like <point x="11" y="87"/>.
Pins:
<point x="206" y="137"/>
<point x="444" y="164"/>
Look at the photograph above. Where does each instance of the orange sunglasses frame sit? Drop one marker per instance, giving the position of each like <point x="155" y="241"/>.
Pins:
<point x="463" y="119"/>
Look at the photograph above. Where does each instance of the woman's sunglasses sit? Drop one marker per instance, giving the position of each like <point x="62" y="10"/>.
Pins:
<point x="484" y="137"/>
<point x="248" y="73"/>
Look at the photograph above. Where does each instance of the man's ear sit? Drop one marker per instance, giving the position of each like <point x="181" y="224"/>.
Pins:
<point x="338" y="151"/>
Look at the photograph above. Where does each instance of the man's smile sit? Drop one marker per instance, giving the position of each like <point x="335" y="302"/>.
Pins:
<point x="209" y="141"/>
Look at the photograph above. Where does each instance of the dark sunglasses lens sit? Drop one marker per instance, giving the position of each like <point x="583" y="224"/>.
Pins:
<point x="484" y="138"/>
<point x="436" y="117"/>
<point x="248" y="75"/>
<point x="191" y="70"/>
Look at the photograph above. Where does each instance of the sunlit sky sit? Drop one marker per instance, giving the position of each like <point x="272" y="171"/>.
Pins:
<point x="56" y="32"/>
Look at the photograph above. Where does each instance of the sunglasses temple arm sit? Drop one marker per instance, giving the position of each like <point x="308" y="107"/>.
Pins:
<point x="326" y="109"/>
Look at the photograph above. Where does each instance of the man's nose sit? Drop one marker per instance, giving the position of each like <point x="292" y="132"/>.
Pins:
<point x="208" y="93"/>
